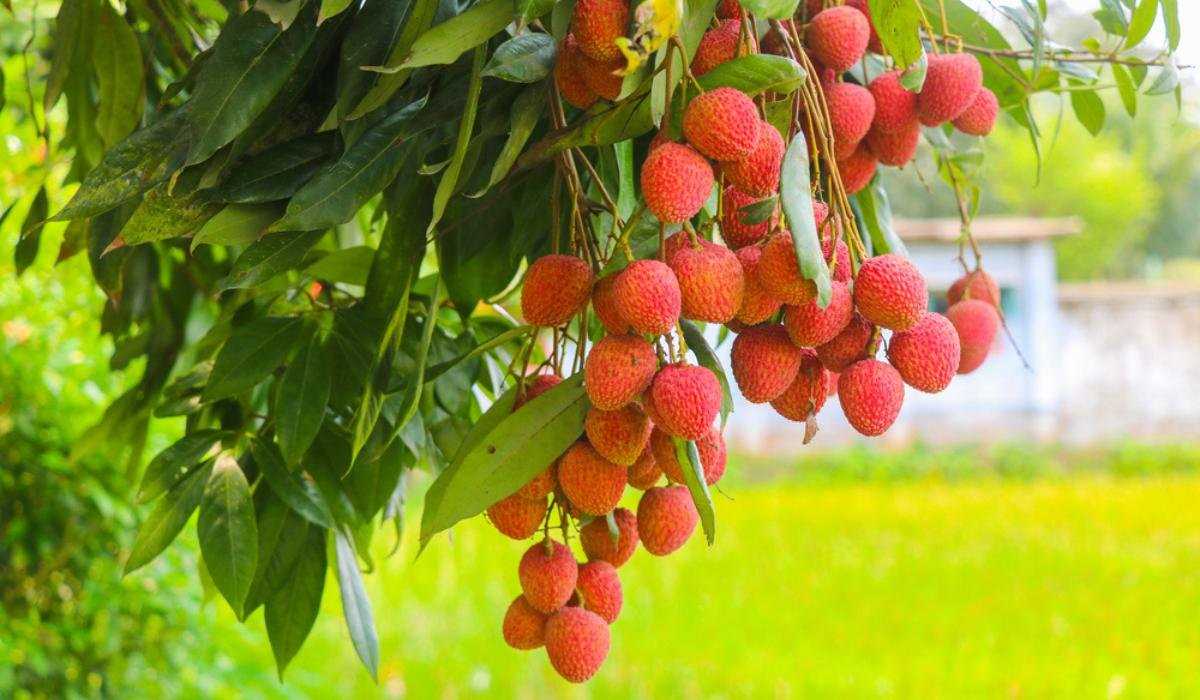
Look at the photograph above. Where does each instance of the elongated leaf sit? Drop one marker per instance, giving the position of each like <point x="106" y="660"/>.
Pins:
<point x="269" y="256"/>
<point x="329" y="8"/>
<point x="707" y="358"/>
<point x="228" y="532"/>
<point x="447" y="41"/>
<point x="303" y="393"/>
<point x="282" y="534"/>
<point x="449" y="179"/>
<point x="771" y="9"/>
<point x="356" y="607"/>
<point x="167" y="519"/>
<point x="1125" y="88"/>
<point x="517" y="449"/>
<point x="292" y="610"/>
<point x="69" y="34"/>
<point x="237" y="224"/>
<point x="693" y="476"/>
<point x="1170" y="14"/>
<point x="384" y="85"/>
<point x="251" y="353"/>
<point x="876" y="211"/>
<point x="1166" y="82"/>
<point x="522" y="59"/>
<point x="279" y="172"/>
<point x="756" y="74"/>
<point x="526" y="111"/>
<point x="898" y="24"/>
<point x="292" y="489"/>
<point x="31" y="231"/>
<point x="1088" y="108"/>
<point x="375" y="30"/>
<point x="348" y="265"/>
<point x="161" y="216"/>
<point x="797" y="205"/>
<point x="1141" y="22"/>
<point x="117" y="60"/>
<point x="176" y="462"/>
<point x="507" y="336"/>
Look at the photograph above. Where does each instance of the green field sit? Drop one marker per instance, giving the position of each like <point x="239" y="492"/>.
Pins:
<point x="1080" y="587"/>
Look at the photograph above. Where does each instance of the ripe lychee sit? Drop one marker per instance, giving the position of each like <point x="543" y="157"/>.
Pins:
<point x="758" y="173"/>
<point x="517" y="517"/>
<point x="851" y="109"/>
<point x="807" y="393"/>
<point x="599" y="589"/>
<point x="577" y="642"/>
<point x="676" y="181"/>
<point x="723" y="124"/>
<point x="890" y="292"/>
<point x="847" y="347"/>
<point x="647" y="296"/>
<point x="734" y="229"/>
<point x="977" y="324"/>
<point x="601" y="77"/>
<point x="687" y="399"/>
<point x="952" y="81"/>
<point x="596" y="24"/>
<point x="729" y="9"/>
<point x="858" y="169"/>
<point x="619" y="436"/>
<point x="874" y="45"/>
<point x="808" y="325"/>
<point x="710" y="281"/>
<point x="535" y="386"/>
<point x="617" y="369"/>
<point x="895" y="107"/>
<point x="974" y="285"/>
<point x="838" y="37"/>
<point x="548" y="572"/>
<point x="779" y="271"/>
<point x="523" y="625"/>
<point x="556" y="288"/>
<point x="980" y="117"/>
<point x="593" y="484"/>
<point x="837" y="255"/>
<point x="717" y="46"/>
<point x="568" y="74"/>
<point x="598" y="543"/>
<point x="666" y="518"/>
<point x="540" y="486"/>
<point x="894" y="148"/>
<point x="645" y="472"/>
<point x="926" y="355"/>
<point x="713" y="456"/>
<point x="871" y="393"/>
<point x="757" y="303"/>
<point x="764" y="362"/>
<point x="605" y="305"/>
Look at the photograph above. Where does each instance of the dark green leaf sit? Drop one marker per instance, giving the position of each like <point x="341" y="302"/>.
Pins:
<point x="167" y="519"/>
<point x="384" y="85"/>
<point x="292" y="610"/>
<point x="526" y="111"/>
<point x="269" y="256"/>
<point x="447" y="41"/>
<point x="228" y="532"/>
<point x="300" y="495"/>
<point x="1141" y="22"/>
<point x="707" y="358"/>
<point x="375" y="30"/>
<point x="300" y="403"/>
<point x="31" y="231"/>
<point x="237" y="224"/>
<point x="798" y="206"/>
<point x="898" y="24"/>
<point x="688" y="456"/>
<point x="117" y="60"/>
<point x="770" y="9"/>
<point x="348" y="265"/>
<point x="74" y="17"/>
<point x="449" y="179"/>
<point x="282" y="534"/>
<point x="356" y="607"/>
<point x="876" y="212"/>
<point x="176" y="462"/>
<point x="523" y="59"/>
<point x="500" y="339"/>
<point x="759" y="211"/>
<point x="162" y="215"/>
<point x="251" y="354"/>
<point x="278" y="172"/>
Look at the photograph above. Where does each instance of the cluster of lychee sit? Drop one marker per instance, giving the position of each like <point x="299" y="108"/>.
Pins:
<point x="588" y="62"/>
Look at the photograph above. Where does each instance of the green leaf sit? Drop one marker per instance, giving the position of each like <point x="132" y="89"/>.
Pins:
<point x="797" y="205"/>
<point x="161" y="216"/>
<point x="356" y="607"/>
<point x="299" y="494"/>
<point x="300" y="403"/>
<point x="770" y="9"/>
<point x="347" y="265"/>
<point x="384" y="85"/>
<point x="529" y="10"/>
<point x="282" y="534"/>
<point x="517" y="449"/>
<point x="758" y="212"/>
<point x="278" y="172"/>
<point x="688" y="456"/>
<point x="1125" y="88"/>
<point x="526" y="111"/>
<point x="1088" y="107"/>
<point x="449" y="179"/>
<point x="31" y="231"/>
<point x="167" y="519"/>
<point x="756" y="74"/>
<point x="69" y="39"/>
<point x="269" y="256"/>
<point x="1170" y="13"/>
<point x="329" y="8"/>
<point x="117" y="60"/>
<point x="522" y="59"/>
<point x="443" y="44"/>
<point x="500" y="339"/>
<point x="375" y="30"/>
<point x="1141" y="22"/>
<point x="291" y="611"/>
<point x="177" y="461"/>
<point x="898" y="24"/>
<point x="876" y="212"/>
<point x="237" y="224"/>
<point x="281" y="12"/>
<point x="1166" y="82"/>
<point x="251" y="354"/>
<point x="708" y="359"/>
<point x="228" y="532"/>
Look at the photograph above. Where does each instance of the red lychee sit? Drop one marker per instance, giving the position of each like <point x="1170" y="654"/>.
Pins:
<point x="598" y="543"/>
<point x="926" y="355"/>
<point x="556" y="288"/>
<point x="734" y="229"/>
<point x="895" y="107"/>
<point x="779" y="271"/>
<point x="548" y="572"/>
<point x="617" y="369"/>
<point x="837" y="255"/>
<point x="758" y="173"/>
<point x="713" y="456"/>
<point x="687" y="399"/>
<point x="838" y="37"/>
<point x="757" y="303"/>
<point x="874" y="45"/>
<point x="596" y="24"/>
<point x="951" y="83"/>
<point x="647" y="296"/>
<point x="535" y="386"/>
<point x="577" y="642"/>
<point x="568" y="74"/>
<point x="676" y="181"/>
<point x="764" y="362"/>
<point x="890" y="292"/>
<point x="871" y="393"/>
<point x="723" y="124"/>
<point x="807" y="393"/>
<point x="894" y="148"/>
<point x="977" y="324"/>
<point x="808" y="325"/>
<point x="605" y="304"/>
<point x="980" y="117"/>
<point x="847" y="347"/>
<point x="540" y="486"/>
<point x="645" y="472"/>
<point x="717" y="46"/>
<point x="523" y="625"/>
<point x="619" y="436"/>
<point x="710" y="281"/>
<point x="729" y="9"/>
<point x="599" y="589"/>
<point x="974" y="285"/>
<point x="593" y="484"/>
<point x="517" y="517"/>
<point x="851" y="109"/>
<point x="601" y="77"/>
<point x="666" y="518"/>
<point x="858" y="169"/>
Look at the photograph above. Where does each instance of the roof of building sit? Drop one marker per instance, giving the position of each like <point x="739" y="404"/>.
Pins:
<point x="988" y="229"/>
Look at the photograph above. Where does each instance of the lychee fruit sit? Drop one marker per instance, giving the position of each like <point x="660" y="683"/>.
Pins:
<point x="687" y="399"/>
<point x="523" y="625"/>
<point x="676" y="181"/>
<point x="710" y="281"/>
<point x="723" y="124"/>
<point x="617" y="369"/>
<point x="926" y="355"/>
<point x="736" y="231"/>
<point x="851" y="109"/>
<point x="808" y="325"/>
<point x="593" y="484"/>
<point x="601" y="77"/>
<point x="757" y="174"/>
<point x="808" y="391"/>
<point x="871" y="393"/>
<point x="895" y="107"/>
<point x="713" y="456"/>
<point x="729" y="9"/>
<point x="716" y="47"/>
<point x="980" y="117"/>
<point x="645" y="472"/>
<point x="596" y="25"/>
<point x="577" y="642"/>
<point x="838" y="37"/>
<point x="974" y="285"/>
<point x="837" y="255"/>
<point x="599" y="589"/>
<point x="598" y="543"/>
<point x="547" y="572"/>
<point x="568" y="74"/>
<point x="619" y="436"/>
<point x="858" y="169"/>
<point x="874" y="45"/>
<point x="540" y="486"/>
<point x="604" y="302"/>
<point x="666" y="518"/>
<point x="847" y="347"/>
<point x="779" y="271"/>
<point x="647" y="296"/>
<point x="894" y="148"/>
<point x="536" y="386"/>
<point x="890" y="292"/>
<point x="517" y="517"/>
<point x="764" y="362"/>
<point x="952" y="81"/>
<point x="556" y="288"/>
<point x="977" y="324"/>
<point x="757" y="303"/>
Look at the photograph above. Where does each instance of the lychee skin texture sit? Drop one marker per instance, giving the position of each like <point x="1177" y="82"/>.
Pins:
<point x="890" y="292"/>
<point x="807" y="393"/>
<point x="758" y="173"/>
<point x="676" y="181"/>
<point x="687" y="399"/>
<point x="648" y="297"/>
<point x="617" y="369"/>
<point x="871" y="393"/>
<point x="858" y="169"/>
<point x="808" y="325"/>
<point x="598" y="543"/>
<point x="977" y="323"/>
<point x="838" y="37"/>
<point x="980" y="117"/>
<point x="592" y="483"/>
<point x="568" y="74"/>
<point x="975" y="285"/>
<point x="737" y="232"/>
<point x="926" y="355"/>
<point x="723" y="124"/>
<point x="729" y="9"/>
<point x="757" y="303"/>
<point x="536" y="386"/>
<point x="764" y="362"/>
<point x="645" y="472"/>
<point x="523" y="626"/>
<point x="951" y="83"/>
<point x="601" y="76"/>
<point x="599" y="589"/>
<point x="713" y="456"/>
<point x="666" y="519"/>
<point x="596" y="25"/>
<point x="547" y="576"/>
<point x="619" y="436"/>
<point x="851" y="110"/>
<point x="895" y="107"/>
<point x="895" y="148"/>
<point x="716" y="47"/>
<point x="517" y="517"/>
<point x="605" y="305"/>
<point x="540" y="486"/>
<point x="779" y="271"/>
<point x="556" y="288"/>
<point x="711" y="282"/>
<point x="847" y="347"/>
<point x="577" y="643"/>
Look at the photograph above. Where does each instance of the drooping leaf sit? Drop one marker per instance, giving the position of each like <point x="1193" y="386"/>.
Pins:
<point x="278" y="172"/>
<point x="707" y="358"/>
<point x="526" y="58"/>
<point x="282" y="534"/>
<point x="876" y="210"/>
<point x="300" y="403"/>
<point x="449" y="179"/>
<point x="300" y="495"/>
<point x="31" y="231"/>
<point x="1166" y="82"/>
<point x="447" y="41"/>
<point x="898" y="24"/>
<point x="1141" y="22"/>
<point x="356" y="607"/>
<point x="756" y="74"/>
<point x="228" y="532"/>
<point x="373" y="33"/>
<point x="771" y="9"/>
<point x="70" y="36"/>
<point x="688" y="456"/>
<point x="329" y="8"/>
<point x="117" y="60"/>
<point x="291" y="611"/>
<point x="347" y="265"/>
<point x="526" y="111"/>
<point x="1170" y="14"/>
<point x="383" y="85"/>
<point x="797" y="205"/>
<point x="251" y="353"/>
<point x="268" y="256"/>
<point x="1088" y="108"/>
<point x="177" y="461"/>
<point x="1125" y="88"/>
<point x="167" y="519"/>
<point x="237" y="224"/>
<point x="162" y="215"/>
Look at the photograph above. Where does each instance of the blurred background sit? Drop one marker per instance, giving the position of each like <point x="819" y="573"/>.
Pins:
<point x="1032" y="532"/>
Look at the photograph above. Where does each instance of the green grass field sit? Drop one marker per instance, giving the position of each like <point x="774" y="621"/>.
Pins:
<point x="1059" y="587"/>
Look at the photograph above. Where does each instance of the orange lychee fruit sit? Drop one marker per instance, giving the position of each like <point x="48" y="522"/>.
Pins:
<point x="974" y="285"/>
<point x="535" y="386"/>
<point x="757" y="303"/>
<point x="711" y="281"/>
<point x="977" y="323"/>
<point x="666" y="519"/>
<point x="851" y="110"/>
<point x="894" y="148"/>
<point x="599" y="544"/>
<point x="618" y="368"/>
<point x="540" y="486"/>
<point x="838" y="37"/>
<point x="712" y="450"/>
<point x="980" y="117"/>
<point x="849" y="346"/>
<point x="895" y="107"/>
<point x="779" y="271"/>
<point x="687" y="399"/>
<point x="952" y="81"/>
<point x="722" y="124"/>
<point x="569" y="72"/>
<point x="717" y="46"/>
<point x="524" y="625"/>
<point x="890" y="292"/>
<point x="547" y="572"/>
<point x="556" y="288"/>
<point x="764" y="362"/>
<point x="926" y="355"/>
<point x="604" y="302"/>
<point x="577" y="643"/>
<point x="757" y="173"/>
<point x="858" y="169"/>
<point x="601" y="77"/>
<point x="619" y="436"/>
<point x="517" y="517"/>
<point x="645" y="472"/>
<point x="808" y="325"/>
<point x="808" y="391"/>
<point x="676" y="181"/>
<point x="648" y="297"/>
<point x="596" y="24"/>
<point x="593" y="484"/>
<point x="599" y="589"/>
<point x="871" y="393"/>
